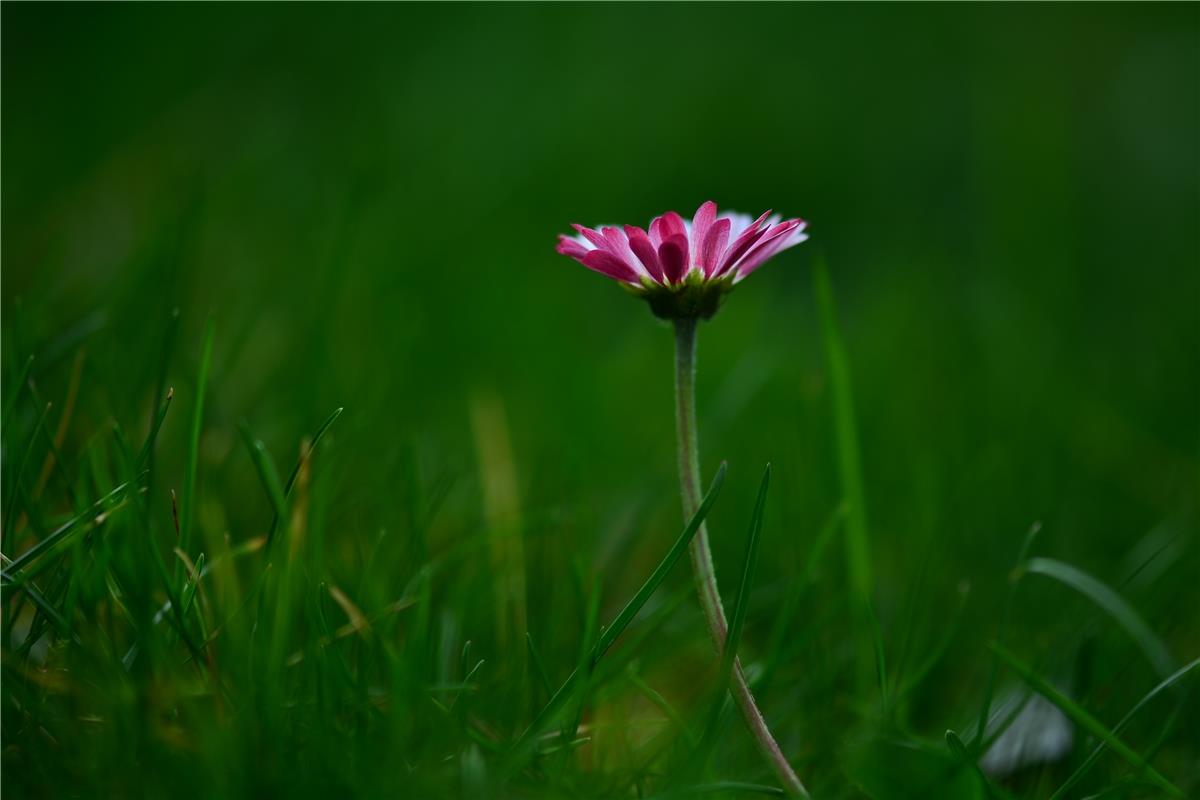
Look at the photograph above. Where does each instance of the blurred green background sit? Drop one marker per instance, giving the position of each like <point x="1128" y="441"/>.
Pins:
<point x="366" y="198"/>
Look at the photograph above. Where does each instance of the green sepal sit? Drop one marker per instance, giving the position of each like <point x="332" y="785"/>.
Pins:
<point x="696" y="297"/>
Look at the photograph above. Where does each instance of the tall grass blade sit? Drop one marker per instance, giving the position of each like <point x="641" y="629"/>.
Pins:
<point x="44" y="605"/>
<point x="858" y="557"/>
<point x="162" y="393"/>
<point x="193" y="448"/>
<point x="935" y="653"/>
<point x="264" y="465"/>
<point x="193" y="582"/>
<point x="959" y="750"/>
<point x="1083" y="719"/>
<point x="660" y="702"/>
<point x="147" y="450"/>
<point x="14" y="393"/>
<point x="10" y="504"/>
<point x="168" y="346"/>
<point x="622" y="620"/>
<point x="1111" y="603"/>
<point x="316" y="439"/>
<point x="30" y="562"/>
<point x="737" y="622"/>
<point x="521" y="750"/>
<point x="989" y="692"/>
<point x="782" y="626"/>
<point x="585" y="665"/>
<point x="880" y="660"/>
<point x="1090" y="761"/>
<point x="538" y="668"/>
<point x="291" y="481"/>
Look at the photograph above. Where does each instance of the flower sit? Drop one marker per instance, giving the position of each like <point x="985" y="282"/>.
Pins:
<point x="684" y="268"/>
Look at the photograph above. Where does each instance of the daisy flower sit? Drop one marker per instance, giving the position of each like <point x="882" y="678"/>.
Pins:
<point x="684" y="268"/>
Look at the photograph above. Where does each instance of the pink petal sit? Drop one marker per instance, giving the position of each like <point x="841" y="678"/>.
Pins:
<point x="618" y="245"/>
<point x="736" y="231"/>
<point x="701" y="222"/>
<point x="657" y="234"/>
<point x="769" y="235"/>
<point x="673" y="226"/>
<point x="670" y="227"/>
<point x="569" y="246"/>
<point x="714" y="245"/>
<point x="741" y="244"/>
<point x="593" y="237"/>
<point x="781" y="237"/>
<point x="607" y="264"/>
<point x="673" y="254"/>
<point x="644" y="250"/>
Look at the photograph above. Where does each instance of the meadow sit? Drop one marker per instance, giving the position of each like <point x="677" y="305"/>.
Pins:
<point x="323" y="474"/>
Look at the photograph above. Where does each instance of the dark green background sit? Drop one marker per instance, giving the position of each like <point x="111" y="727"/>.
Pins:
<point x="366" y="199"/>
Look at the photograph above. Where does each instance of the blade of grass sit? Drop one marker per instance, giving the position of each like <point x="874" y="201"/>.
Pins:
<point x="614" y="665"/>
<point x="128" y="470"/>
<point x="880" y="661"/>
<point x="193" y="581"/>
<point x="914" y="679"/>
<point x="265" y="466"/>
<point x="291" y="481"/>
<point x="15" y="393"/>
<point x="858" y="557"/>
<point x="523" y="747"/>
<point x="989" y="692"/>
<point x="193" y="447"/>
<point x="168" y="340"/>
<point x="660" y="702"/>
<point x="539" y="670"/>
<point x="147" y="450"/>
<point x="737" y="622"/>
<point x="316" y="438"/>
<point x="162" y="398"/>
<point x="44" y="614"/>
<point x="783" y="621"/>
<point x="1006" y="721"/>
<point x="1087" y="764"/>
<point x="959" y="750"/>
<point x="46" y="608"/>
<point x="1111" y="603"/>
<point x="28" y="563"/>
<point x="585" y="665"/>
<point x="1083" y="719"/>
<point x="54" y="463"/>
<point x="622" y="620"/>
<point x="10" y="504"/>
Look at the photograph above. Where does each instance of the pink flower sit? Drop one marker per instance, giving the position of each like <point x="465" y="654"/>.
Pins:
<point x="695" y="261"/>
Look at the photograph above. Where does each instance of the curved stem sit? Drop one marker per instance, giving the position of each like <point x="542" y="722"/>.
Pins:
<point x="702" y="566"/>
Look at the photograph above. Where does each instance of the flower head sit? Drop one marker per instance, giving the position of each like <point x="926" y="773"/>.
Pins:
<point x="684" y="268"/>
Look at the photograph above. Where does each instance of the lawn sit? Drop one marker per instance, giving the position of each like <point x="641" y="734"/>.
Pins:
<point x="323" y="474"/>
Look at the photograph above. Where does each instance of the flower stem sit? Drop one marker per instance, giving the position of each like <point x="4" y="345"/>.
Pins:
<point x="702" y="566"/>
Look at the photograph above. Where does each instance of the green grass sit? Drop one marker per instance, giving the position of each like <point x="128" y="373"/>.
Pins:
<point x="858" y="556"/>
<point x="1088" y="723"/>
<point x="256" y="656"/>
<point x="322" y="475"/>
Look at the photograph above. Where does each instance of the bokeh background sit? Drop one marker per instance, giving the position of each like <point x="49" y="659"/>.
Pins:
<point x="365" y="200"/>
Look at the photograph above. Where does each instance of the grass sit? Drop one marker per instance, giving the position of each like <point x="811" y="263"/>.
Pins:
<point x="323" y="475"/>
<point x="246" y="648"/>
<point x="1087" y="722"/>
<point x="858" y="557"/>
